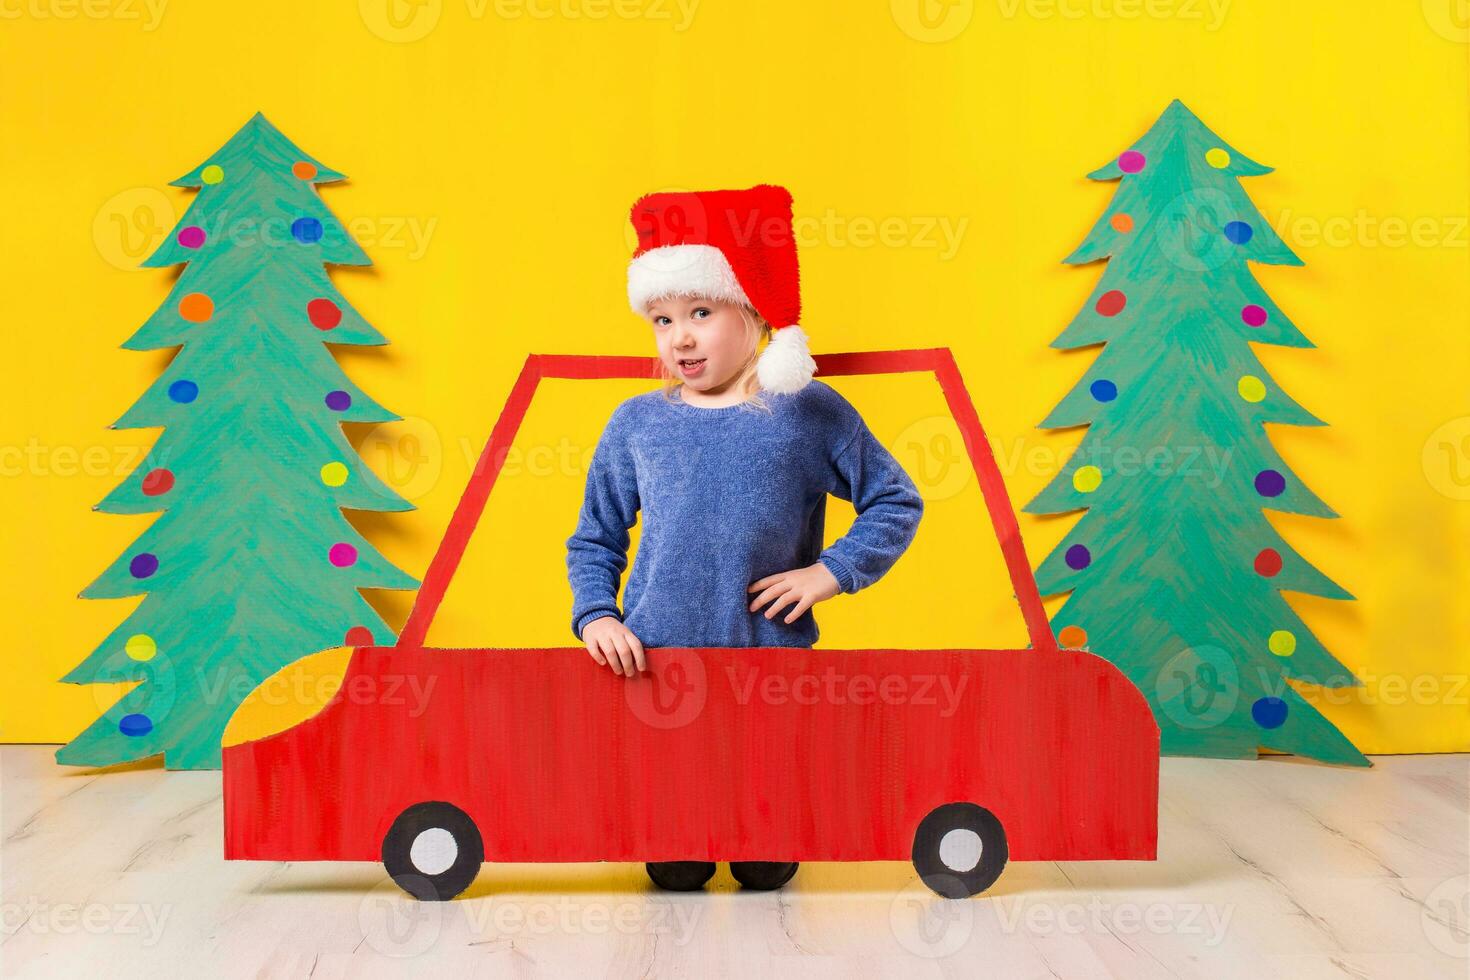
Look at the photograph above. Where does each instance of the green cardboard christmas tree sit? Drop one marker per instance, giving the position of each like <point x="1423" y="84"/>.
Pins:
<point x="1175" y="574"/>
<point x="251" y="564"/>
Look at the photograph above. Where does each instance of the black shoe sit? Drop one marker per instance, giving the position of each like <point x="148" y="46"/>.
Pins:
<point x="680" y="876"/>
<point x="763" y="876"/>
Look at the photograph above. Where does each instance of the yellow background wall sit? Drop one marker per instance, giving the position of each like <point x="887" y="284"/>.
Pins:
<point x="936" y="154"/>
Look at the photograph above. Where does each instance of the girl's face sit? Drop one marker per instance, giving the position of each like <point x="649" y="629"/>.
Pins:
<point x="703" y="342"/>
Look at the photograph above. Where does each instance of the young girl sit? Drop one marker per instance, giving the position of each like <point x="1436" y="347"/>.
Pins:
<point x="730" y="464"/>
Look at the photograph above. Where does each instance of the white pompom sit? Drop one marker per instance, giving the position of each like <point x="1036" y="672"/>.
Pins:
<point x="786" y="365"/>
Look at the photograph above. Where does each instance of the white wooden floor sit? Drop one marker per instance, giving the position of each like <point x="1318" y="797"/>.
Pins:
<point x="1274" y="868"/>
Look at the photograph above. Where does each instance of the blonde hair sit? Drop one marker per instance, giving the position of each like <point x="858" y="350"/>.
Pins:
<point x="757" y="329"/>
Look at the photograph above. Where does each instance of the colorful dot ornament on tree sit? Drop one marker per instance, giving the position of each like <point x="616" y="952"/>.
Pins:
<point x="196" y="308"/>
<point x="1269" y="712"/>
<point x="141" y="646"/>
<point x="183" y="391"/>
<point x="323" y="313"/>
<point x="157" y="482"/>
<point x="191" y="237"/>
<point x="212" y="174"/>
<point x="334" y="474"/>
<point x="1238" y="232"/>
<point x="1132" y="162"/>
<point x="135" y="725"/>
<point x="306" y="230"/>
<point x="1111" y="303"/>
<point x="1087" y="479"/>
<point x="1270" y="483"/>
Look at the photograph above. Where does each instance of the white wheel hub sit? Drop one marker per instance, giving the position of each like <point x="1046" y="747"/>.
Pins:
<point x="959" y="850"/>
<point x="433" y="851"/>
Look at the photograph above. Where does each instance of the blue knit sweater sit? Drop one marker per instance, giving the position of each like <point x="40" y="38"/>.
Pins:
<point x="731" y="495"/>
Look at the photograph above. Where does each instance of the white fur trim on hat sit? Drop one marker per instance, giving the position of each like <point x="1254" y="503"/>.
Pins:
<point x="682" y="270"/>
<point x="786" y="365"/>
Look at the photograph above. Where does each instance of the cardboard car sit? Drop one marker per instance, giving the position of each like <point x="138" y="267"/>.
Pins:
<point x="958" y="760"/>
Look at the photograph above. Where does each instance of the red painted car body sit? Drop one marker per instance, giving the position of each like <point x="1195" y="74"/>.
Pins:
<point x="768" y="754"/>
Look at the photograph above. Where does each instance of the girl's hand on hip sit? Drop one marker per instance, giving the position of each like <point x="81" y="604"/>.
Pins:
<point x="804" y="586"/>
<point x="613" y="645"/>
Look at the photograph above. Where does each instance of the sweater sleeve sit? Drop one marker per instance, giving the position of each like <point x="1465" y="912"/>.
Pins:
<point x="888" y="509"/>
<point x="597" y="551"/>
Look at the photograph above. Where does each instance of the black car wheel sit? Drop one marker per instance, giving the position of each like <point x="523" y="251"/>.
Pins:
<point x="680" y="876"/>
<point x="960" y="849"/>
<point x="433" y="851"/>
<point x="762" y="876"/>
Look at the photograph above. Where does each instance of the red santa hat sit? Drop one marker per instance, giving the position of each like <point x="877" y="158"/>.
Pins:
<point x="729" y="245"/>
